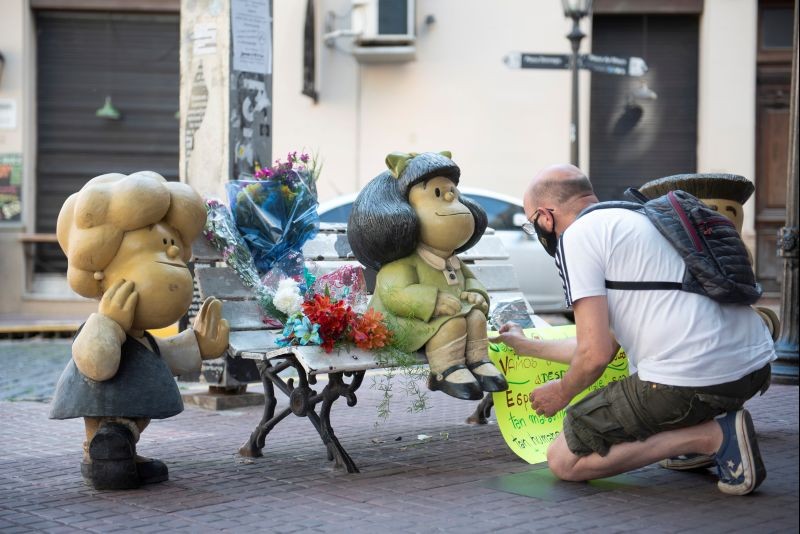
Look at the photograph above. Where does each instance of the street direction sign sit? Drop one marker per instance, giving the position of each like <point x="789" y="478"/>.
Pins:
<point x="621" y="66"/>
<point x="526" y="60"/>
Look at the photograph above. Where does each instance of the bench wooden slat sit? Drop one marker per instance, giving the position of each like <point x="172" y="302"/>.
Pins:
<point x="221" y="282"/>
<point x="243" y="314"/>
<point x="495" y="276"/>
<point x="248" y="341"/>
<point x="316" y="361"/>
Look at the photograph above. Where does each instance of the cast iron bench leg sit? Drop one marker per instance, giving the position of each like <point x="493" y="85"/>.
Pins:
<point x="482" y="413"/>
<point x="252" y="448"/>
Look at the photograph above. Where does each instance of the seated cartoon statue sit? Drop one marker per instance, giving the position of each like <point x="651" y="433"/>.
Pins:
<point x="408" y="223"/>
<point x="127" y="240"/>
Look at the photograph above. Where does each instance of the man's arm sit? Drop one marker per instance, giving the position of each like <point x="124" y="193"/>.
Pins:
<point x="554" y="350"/>
<point x="595" y="349"/>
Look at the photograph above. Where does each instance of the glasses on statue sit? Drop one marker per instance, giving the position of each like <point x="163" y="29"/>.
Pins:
<point x="530" y="226"/>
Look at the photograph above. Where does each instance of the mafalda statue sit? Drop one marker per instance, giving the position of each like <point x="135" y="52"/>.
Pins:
<point x="408" y="223"/>
<point x="127" y="240"/>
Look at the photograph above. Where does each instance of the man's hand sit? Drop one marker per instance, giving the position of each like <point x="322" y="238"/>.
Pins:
<point x="477" y="300"/>
<point x="512" y="335"/>
<point x="118" y="303"/>
<point x="549" y="398"/>
<point x="211" y="330"/>
<point x="446" y="304"/>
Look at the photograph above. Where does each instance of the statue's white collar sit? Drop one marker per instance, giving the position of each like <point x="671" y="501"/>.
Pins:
<point x="448" y="266"/>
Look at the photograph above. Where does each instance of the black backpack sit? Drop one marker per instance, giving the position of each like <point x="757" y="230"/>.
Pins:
<point x="717" y="263"/>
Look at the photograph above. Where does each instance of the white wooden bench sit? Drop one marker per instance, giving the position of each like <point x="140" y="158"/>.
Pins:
<point x="345" y="368"/>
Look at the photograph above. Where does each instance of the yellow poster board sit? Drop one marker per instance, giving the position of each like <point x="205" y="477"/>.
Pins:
<point x="525" y="432"/>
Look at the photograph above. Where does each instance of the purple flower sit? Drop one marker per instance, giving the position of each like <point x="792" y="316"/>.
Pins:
<point x="304" y="158"/>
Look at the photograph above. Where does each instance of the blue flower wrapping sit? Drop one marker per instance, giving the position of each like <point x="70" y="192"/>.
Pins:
<point x="274" y="216"/>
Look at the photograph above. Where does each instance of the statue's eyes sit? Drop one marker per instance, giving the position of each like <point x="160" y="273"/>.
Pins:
<point x="165" y="240"/>
<point x="171" y="241"/>
<point x="438" y="192"/>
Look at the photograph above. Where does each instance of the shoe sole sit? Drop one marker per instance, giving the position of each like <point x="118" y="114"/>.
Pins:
<point x="752" y="464"/>
<point x="693" y="464"/>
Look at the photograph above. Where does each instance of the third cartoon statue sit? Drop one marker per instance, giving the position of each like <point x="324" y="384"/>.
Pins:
<point x="408" y="223"/>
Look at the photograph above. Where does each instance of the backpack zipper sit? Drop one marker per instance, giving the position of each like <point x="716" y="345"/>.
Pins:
<point x="707" y="227"/>
<point x="687" y="225"/>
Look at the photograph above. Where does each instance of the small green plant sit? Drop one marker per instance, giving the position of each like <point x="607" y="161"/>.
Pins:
<point x="410" y="369"/>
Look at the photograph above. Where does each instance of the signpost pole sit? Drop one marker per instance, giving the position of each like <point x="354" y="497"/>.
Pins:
<point x="575" y="37"/>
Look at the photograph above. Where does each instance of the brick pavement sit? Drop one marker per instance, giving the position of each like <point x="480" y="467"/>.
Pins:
<point x="405" y="485"/>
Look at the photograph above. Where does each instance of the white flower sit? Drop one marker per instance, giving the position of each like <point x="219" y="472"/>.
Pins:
<point x="287" y="298"/>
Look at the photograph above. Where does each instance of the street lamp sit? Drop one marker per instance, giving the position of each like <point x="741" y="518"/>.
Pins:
<point x="575" y="10"/>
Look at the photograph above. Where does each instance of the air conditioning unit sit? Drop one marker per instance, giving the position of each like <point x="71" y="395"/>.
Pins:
<point x="384" y="29"/>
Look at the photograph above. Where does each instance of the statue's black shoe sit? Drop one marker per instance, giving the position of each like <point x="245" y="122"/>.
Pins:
<point x="113" y="459"/>
<point x="463" y="390"/>
<point x="489" y="383"/>
<point x="151" y="470"/>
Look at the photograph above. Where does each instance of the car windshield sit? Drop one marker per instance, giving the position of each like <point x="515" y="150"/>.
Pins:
<point x="499" y="212"/>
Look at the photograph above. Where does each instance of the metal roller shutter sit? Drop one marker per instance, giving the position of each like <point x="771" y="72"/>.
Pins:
<point x="636" y="141"/>
<point x="82" y="57"/>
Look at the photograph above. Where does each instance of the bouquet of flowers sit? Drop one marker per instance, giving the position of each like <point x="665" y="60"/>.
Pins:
<point x="325" y="321"/>
<point x="277" y="212"/>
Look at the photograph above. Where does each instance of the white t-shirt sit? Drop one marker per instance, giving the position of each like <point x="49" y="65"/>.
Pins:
<point x="671" y="337"/>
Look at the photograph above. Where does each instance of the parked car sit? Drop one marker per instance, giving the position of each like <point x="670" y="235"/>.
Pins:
<point x="536" y="271"/>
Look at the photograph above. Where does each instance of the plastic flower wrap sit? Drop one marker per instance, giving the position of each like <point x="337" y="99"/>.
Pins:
<point x="277" y="212"/>
<point x="221" y="232"/>
<point x="346" y="283"/>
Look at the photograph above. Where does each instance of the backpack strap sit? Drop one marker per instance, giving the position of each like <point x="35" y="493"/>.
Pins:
<point x="622" y="204"/>
<point x="639" y="286"/>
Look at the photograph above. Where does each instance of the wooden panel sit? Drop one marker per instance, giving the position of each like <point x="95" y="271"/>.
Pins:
<point x="316" y="361"/>
<point x="633" y="142"/>
<point x="252" y="342"/>
<point x="773" y="149"/>
<point x="243" y="314"/>
<point x="204" y="252"/>
<point x="221" y="282"/>
<point x="495" y="276"/>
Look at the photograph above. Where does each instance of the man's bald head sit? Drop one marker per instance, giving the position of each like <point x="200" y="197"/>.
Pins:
<point x="557" y="185"/>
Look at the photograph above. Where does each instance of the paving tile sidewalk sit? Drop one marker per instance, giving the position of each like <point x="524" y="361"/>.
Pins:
<point x="405" y="484"/>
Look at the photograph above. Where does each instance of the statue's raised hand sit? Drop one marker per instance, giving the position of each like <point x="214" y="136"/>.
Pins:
<point x="119" y="303"/>
<point x="211" y="330"/>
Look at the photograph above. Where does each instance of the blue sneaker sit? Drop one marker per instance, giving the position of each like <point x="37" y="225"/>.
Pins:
<point x="739" y="463"/>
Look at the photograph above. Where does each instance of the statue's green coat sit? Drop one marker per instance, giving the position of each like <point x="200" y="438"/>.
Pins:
<point x="405" y="292"/>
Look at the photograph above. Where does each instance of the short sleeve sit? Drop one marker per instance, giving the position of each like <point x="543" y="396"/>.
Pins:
<point x="581" y="259"/>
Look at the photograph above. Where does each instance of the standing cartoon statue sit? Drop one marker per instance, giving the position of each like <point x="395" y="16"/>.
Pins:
<point x="127" y="240"/>
<point x="408" y="223"/>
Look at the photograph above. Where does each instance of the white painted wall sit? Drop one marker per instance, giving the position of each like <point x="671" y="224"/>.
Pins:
<point x="727" y="94"/>
<point x="502" y="125"/>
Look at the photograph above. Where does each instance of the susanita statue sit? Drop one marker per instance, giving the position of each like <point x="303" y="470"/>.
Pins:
<point x="127" y="240"/>
<point x="408" y="223"/>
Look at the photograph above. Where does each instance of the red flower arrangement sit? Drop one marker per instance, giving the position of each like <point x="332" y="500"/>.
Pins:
<point x="337" y="321"/>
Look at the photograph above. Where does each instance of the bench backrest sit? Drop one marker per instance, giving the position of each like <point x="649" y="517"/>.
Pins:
<point x="324" y="253"/>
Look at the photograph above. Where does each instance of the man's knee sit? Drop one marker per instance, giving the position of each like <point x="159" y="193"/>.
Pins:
<point x="561" y="460"/>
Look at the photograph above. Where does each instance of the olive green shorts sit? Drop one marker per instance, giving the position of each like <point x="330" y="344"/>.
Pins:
<point x="632" y="409"/>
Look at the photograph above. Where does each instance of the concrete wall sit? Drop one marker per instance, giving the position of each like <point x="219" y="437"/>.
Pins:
<point x="726" y="123"/>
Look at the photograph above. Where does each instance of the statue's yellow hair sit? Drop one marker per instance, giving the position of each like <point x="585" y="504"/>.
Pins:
<point x="92" y="221"/>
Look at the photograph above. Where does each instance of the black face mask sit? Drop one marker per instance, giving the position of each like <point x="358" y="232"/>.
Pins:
<point x="549" y="240"/>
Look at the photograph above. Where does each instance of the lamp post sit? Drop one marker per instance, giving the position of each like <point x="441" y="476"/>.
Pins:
<point x="575" y="10"/>
<point x="785" y="369"/>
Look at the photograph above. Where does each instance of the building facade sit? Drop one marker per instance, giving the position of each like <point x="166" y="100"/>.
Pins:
<point x="719" y="69"/>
